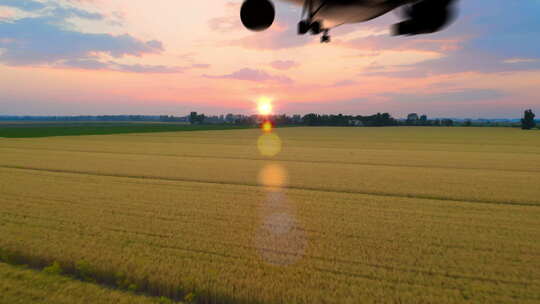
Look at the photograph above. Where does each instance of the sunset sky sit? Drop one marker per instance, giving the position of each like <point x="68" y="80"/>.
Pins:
<point x="79" y="57"/>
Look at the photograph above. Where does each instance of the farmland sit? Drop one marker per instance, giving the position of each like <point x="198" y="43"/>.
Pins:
<point x="48" y="129"/>
<point x="340" y="215"/>
<point x="22" y="286"/>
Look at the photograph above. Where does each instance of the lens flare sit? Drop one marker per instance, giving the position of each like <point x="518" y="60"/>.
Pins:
<point x="269" y="144"/>
<point x="280" y="240"/>
<point x="273" y="175"/>
<point x="267" y="127"/>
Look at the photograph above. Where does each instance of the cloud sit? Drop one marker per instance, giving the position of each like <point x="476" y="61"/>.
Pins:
<point x="200" y="66"/>
<point x="282" y="34"/>
<point x="494" y="38"/>
<point x="61" y="12"/>
<point x="276" y="38"/>
<point x="6" y="13"/>
<point x="54" y="11"/>
<point x="465" y="60"/>
<point x="25" y="5"/>
<point x="228" y="23"/>
<point x="520" y="60"/>
<point x="284" y="64"/>
<point x="379" y="43"/>
<point x="252" y="75"/>
<point x="91" y="64"/>
<point x="344" y="83"/>
<point x="464" y="95"/>
<point x="47" y="40"/>
<point x="35" y="41"/>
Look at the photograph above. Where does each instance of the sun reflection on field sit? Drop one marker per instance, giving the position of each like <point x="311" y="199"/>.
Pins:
<point x="267" y="127"/>
<point x="273" y="175"/>
<point x="269" y="144"/>
<point x="280" y="239"/>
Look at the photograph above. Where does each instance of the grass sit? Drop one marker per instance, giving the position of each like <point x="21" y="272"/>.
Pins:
<point x="409" y="215"/>
<point x="35" y="130"/>
<point x="22" y="285"/>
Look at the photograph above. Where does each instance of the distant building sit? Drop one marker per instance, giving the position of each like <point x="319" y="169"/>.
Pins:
<point x="412" y="117"/>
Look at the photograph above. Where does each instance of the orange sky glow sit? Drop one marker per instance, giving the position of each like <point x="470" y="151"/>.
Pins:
<point x="195" y="55"/>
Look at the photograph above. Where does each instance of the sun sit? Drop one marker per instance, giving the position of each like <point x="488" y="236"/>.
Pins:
<point x="264" y="106"/>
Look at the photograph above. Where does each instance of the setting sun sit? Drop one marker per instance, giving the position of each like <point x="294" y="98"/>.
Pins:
<point x="264" y="106"/>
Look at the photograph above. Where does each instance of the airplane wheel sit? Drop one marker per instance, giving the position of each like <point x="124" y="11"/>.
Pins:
<point x="316" y="28"/>
<point x="325" y="39"/>
<point x="303" y="27"/>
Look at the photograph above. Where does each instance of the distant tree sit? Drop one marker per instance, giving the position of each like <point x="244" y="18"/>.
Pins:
<point x="447" y="122"/>
<point x="244" y="120"/>
<point x="467" y="123"/>
<point x="423" y="121"/>
<point x="528" y="122"/>
<point x="193" y="118"/>
<point x="311" y="119"/>
<point x="201" y="118"/>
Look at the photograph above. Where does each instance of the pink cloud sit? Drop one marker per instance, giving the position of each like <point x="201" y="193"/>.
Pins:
<point x="279" y="36"/>
<point x="252" y="75"/>
<point x="6" y="13"/>
<point x="384" y="42"/>
<point x="284" y="64"/>
<point x="230" y="22"/>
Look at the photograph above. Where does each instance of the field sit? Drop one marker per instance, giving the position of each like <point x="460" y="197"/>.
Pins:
<point x="22" y="286"/>
<point x="26" y="129"/>
<point x="340" y="215"/>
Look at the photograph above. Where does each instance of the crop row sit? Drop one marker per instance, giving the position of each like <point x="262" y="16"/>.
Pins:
<point x="170" y="238"/>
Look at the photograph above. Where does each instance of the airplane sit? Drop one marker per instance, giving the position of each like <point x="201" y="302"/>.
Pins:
<point x="319" y="16"/>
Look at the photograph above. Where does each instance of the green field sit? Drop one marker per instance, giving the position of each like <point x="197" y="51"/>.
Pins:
<point x="50" y="129"/>
<point x="340" y="215"/>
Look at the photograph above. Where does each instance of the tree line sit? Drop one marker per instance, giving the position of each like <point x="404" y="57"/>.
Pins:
<point x="314" y="119"/>
<point x="528" y="122"/>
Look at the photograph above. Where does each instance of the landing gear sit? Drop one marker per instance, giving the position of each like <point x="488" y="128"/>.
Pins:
<point x="316" y="28"/>
<point x="309" y="24"/>
<point x="303" y="27"/>
<point x="325" y="37"/>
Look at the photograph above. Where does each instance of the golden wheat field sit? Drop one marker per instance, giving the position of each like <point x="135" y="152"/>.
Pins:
<point x="335" y="215"/>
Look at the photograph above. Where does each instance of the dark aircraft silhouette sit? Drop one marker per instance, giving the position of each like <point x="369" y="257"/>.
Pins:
<point x="319" y="16"/>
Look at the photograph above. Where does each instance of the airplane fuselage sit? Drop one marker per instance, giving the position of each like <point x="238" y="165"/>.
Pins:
<point x="320" y="16"/>
<point x="337" y="12"/>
